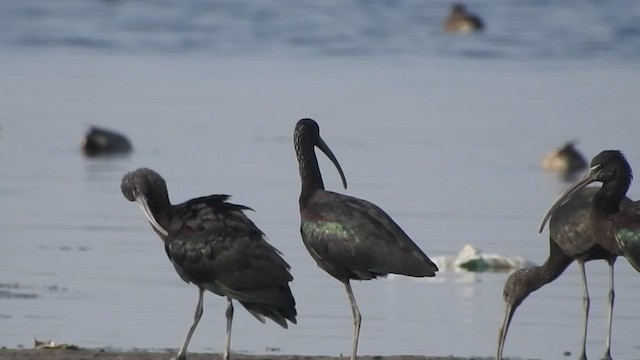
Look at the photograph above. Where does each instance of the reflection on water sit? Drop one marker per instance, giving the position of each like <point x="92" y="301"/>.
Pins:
<point x="13" y="291"/>
<point x="103" y="169"/>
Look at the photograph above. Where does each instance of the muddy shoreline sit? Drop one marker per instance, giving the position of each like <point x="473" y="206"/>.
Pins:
<point x="100" y="354"/>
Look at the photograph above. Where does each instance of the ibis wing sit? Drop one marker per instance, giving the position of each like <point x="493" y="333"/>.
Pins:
<point x="355" y="234"/>
<point x="570" y="225"/>
<point x="626" y="228"/>
<point x="212" y="242"/>
<point x="232" y="264"/>
<point x="211" y="213"/>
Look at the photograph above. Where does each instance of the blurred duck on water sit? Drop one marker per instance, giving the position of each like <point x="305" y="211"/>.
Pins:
<point x="461" y="21"/>
<point x="566" y="161"/>
<point x="100" y="141"/>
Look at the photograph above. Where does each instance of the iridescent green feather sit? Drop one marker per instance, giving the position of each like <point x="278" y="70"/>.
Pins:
<point x="324" y="228"/>
<point x="629" y="240"/>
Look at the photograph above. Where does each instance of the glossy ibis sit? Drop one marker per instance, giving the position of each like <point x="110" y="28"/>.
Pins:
<point x="616" y="230"/>
<point x="213" y="245"/>
<point x="461" y="21"/>
<point x="570" y="239"/>
<point x="349" y="238"/>
<point x="100" y="141"/>
<point x="565" y="160"/>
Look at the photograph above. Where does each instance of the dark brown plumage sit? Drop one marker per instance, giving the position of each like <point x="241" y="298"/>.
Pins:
<point x="570" y="238"/>
<point x="349" y="238"/>
<point x="615" y="229"/>
<point x="215" y="246"/>
<point x="614" y="224"/>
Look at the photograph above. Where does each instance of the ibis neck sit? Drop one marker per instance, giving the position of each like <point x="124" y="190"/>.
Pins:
<point x="159" y="204"/>
<point x="607" y="200"/>
<point x="555" y="265"/>
<point x="309" y="172"/>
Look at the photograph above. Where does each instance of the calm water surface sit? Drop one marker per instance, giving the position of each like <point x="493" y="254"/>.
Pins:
<point x="441" y="135"/>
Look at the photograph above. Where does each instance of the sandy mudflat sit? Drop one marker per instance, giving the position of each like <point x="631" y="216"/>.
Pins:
<point x="97" y="354"/>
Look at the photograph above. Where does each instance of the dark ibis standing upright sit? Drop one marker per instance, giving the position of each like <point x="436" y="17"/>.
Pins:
<point x="349" y="238"/>
<point x="215" y="246"/>
<point x="570" y="239"/>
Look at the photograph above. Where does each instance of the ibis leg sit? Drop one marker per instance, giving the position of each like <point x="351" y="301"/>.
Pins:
<point x="229" y="314"/>
<point x="356" y="319"/>
<point x="586" y="304"/>
<point x="182" y="354"/>
<point x="612" y="295"/>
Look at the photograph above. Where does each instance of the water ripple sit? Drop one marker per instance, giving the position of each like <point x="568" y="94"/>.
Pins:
<point x="361" y="28"/>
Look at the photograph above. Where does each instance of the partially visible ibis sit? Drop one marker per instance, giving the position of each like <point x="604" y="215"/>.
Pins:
<point x="570" y="238"/>
<point x="616" y="230"/>
<point x="614" y="225"/>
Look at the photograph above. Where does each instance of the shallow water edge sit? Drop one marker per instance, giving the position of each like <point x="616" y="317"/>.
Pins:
<point x="26" y="354"/>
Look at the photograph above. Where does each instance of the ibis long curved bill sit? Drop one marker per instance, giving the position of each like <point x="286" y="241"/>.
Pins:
<point x="144" y="205"/>
<point x="325" y="149"/>
<point x="587" y="179"/>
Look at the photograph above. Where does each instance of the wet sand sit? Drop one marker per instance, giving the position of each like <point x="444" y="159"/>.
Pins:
<point x="99" y="354"/>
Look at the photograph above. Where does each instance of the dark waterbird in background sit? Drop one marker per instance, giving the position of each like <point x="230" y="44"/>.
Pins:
<point x="461" y="21"/>
<point x="565" y="160"/>
<point x="350" y="238"/>
<point x="570" y="239"/>
<point x="213" y="245"/>
<point x="100" y="141"/>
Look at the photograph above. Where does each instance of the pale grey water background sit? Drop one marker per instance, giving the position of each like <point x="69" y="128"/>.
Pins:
<point x="444" y="135"/>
